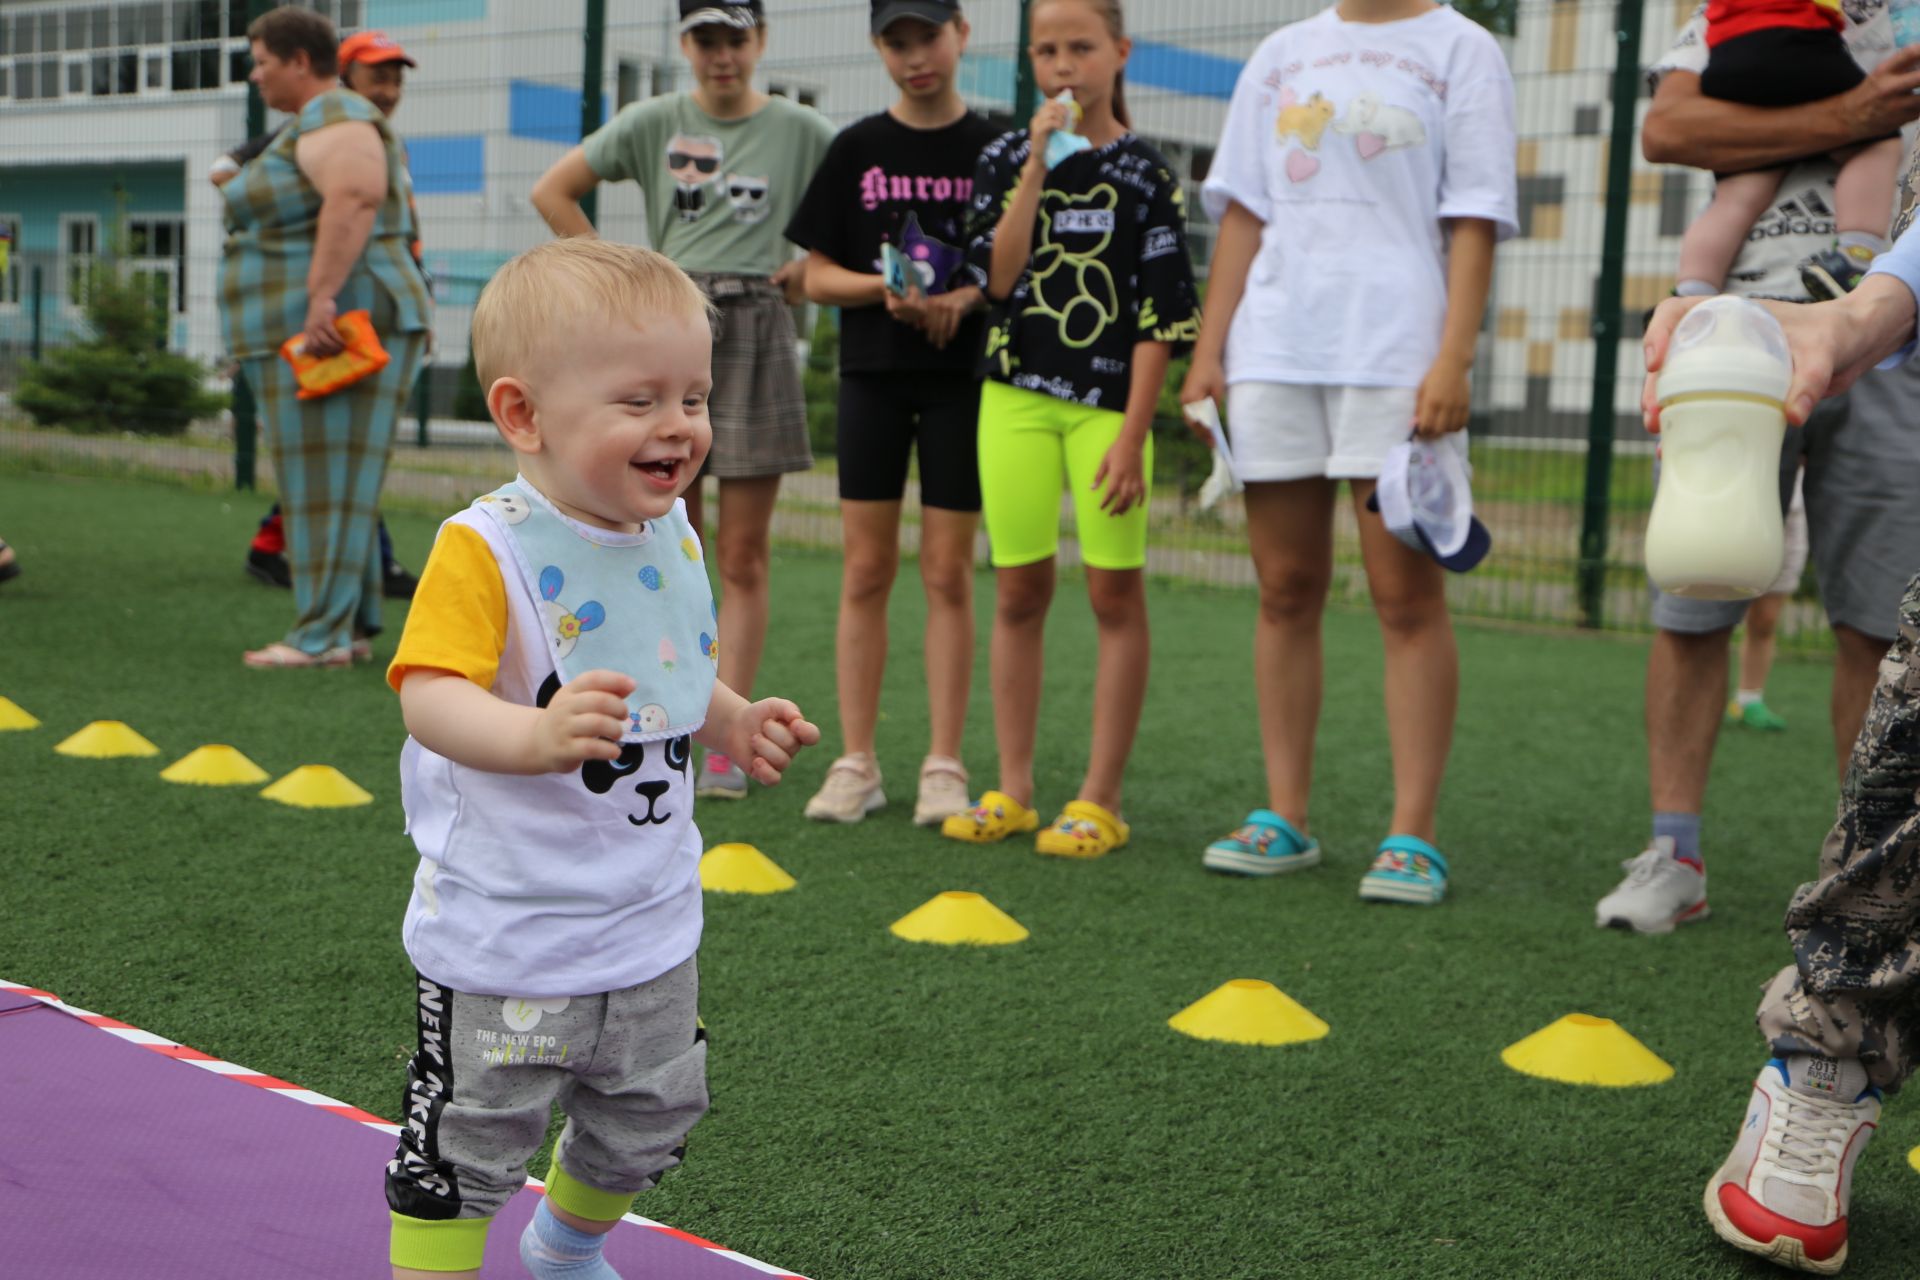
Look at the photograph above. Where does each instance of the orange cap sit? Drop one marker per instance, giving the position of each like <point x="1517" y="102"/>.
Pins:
<point x="370" y="47"/>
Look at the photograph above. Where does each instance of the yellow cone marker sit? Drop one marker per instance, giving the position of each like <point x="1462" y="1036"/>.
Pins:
<point x="741" y="868"/>
<point x="214" y="765"/>
<point x="1583" y="1049"/>
<point x="13" y="716"/>
<point x="958" y="917"/>
<point x="104" y="739"/>
<point x="1913" y="1158"/>
<point x="1248" y="1011"/>
<point x="317" y="786"/>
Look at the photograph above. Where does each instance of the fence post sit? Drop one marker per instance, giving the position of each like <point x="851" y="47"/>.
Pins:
<point x="592" y="88"/>
<point x="246" y="417"/>
<point x="1607" y="320"/>
<point x="1025" y="91"/>
<point x="39" y="310"/>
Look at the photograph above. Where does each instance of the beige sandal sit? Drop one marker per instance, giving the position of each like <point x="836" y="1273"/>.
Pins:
<point x="280" y="656"/>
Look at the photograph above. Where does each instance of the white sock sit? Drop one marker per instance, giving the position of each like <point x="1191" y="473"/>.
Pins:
<point x="1747" y="697"/>
<point x="1862" y="244"/>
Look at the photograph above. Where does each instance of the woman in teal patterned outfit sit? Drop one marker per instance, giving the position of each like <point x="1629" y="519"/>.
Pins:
<point x="319" y="225"/>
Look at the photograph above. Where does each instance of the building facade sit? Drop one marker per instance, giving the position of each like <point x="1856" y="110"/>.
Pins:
<point x="112" y="111"/>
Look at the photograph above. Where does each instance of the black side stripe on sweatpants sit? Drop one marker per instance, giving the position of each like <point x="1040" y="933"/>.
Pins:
<point x="419" y="1183"/>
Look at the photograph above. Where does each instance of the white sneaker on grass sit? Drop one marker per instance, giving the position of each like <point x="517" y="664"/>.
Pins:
<point x="720" y="779"/>
<point x="1659" y="892"/>
<point x="850" y="792"/>
<point x="1783" y="1190"/>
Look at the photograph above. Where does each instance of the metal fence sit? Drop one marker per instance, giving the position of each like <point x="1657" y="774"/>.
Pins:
<point x="115" y="111"/>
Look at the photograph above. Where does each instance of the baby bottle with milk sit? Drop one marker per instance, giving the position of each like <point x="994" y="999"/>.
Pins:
<point x="1715" y="532"/>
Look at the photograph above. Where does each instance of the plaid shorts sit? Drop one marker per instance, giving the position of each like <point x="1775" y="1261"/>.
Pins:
<point x="759" y="410"/>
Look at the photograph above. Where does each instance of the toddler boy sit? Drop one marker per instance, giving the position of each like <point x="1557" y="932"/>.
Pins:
<point x="559" y="657"/>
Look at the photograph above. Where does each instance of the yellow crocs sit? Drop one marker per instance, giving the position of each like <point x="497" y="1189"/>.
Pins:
<point x="1083" y="830"/>
<point x="997" y="816"/>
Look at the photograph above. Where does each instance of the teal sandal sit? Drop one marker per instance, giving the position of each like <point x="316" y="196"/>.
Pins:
<point x="1265" y="845"/>
<point x="1407" y="869"/>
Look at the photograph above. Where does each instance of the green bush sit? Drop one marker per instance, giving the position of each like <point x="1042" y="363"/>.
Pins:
<point x="122" y="378"/>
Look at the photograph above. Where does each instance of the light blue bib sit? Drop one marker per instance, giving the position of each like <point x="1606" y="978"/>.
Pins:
<point x="634" y="603"/>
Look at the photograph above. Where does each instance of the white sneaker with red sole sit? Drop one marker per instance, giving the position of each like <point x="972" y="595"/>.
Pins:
<point x="1659" y="893"/>
<point x="1782" y="1193"/>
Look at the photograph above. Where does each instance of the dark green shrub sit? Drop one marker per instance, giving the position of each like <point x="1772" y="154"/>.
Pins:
<point x="122" y="378"/>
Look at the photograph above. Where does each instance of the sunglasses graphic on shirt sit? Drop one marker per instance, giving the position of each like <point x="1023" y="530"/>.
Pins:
<point x="680" y="160"/>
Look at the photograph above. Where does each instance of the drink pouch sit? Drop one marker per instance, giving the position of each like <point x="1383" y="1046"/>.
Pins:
<point x="323" y="375"/>
<point x="1062" y="143"/>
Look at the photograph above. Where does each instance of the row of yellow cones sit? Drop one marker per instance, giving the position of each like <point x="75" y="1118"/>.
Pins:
<point x="1577" y="1049"/>
<point x="311" y="786"/>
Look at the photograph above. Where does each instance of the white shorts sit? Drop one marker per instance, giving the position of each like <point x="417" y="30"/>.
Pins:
<point x="1291" y="431"/>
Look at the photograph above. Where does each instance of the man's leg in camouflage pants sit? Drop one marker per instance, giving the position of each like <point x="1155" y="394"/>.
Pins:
<point x="1844" y="1019"/>
<point x="1854" y="989"/>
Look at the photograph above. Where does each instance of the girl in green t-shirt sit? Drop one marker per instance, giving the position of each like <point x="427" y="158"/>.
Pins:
<point x="723" y="166"/>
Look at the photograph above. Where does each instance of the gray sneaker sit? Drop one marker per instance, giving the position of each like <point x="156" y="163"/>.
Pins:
<point x="720" y="779"/>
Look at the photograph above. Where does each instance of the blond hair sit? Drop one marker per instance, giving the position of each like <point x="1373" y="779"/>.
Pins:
<point x="535" y="301"/>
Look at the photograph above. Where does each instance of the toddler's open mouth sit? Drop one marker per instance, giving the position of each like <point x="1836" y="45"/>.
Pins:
<point x="660" y="470"/>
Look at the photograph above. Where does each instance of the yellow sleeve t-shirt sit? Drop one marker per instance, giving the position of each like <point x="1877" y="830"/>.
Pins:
<point x="458" y="622"/>
<point x="536" y="885"/>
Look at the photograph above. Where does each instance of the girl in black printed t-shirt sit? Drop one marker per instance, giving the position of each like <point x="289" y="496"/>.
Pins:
<point x="1087" y="263"/>
<point x="903" y="179"/>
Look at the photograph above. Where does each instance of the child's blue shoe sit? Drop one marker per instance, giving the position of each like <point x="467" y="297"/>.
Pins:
<point x="1265" y="845"/>
<point x="1407" y="869"/>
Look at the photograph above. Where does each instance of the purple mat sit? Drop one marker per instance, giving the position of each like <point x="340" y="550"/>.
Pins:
<point x="117" y="1161"/>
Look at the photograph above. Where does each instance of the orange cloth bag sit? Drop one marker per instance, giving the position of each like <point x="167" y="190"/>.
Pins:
<point x="322" y="376"/>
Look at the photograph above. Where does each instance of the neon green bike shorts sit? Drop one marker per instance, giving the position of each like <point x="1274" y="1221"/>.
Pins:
<point x="1032" y="446"/>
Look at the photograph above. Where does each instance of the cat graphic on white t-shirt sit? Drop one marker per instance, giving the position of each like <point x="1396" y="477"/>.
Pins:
<point x="1377" y="127"/>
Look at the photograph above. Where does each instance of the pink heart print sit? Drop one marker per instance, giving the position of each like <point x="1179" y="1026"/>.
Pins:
<point x="1301" y="166"/>
<point x="1369" y="145"/>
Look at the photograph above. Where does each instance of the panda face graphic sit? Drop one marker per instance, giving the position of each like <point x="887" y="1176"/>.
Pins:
<point x="749" y="197"/>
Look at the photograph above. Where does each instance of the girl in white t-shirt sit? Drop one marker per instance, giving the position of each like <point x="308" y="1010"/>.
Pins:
<point x="1364" y="173"/>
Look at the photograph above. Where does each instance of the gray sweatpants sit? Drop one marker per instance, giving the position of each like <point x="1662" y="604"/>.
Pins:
<point x="627" y="1067"/>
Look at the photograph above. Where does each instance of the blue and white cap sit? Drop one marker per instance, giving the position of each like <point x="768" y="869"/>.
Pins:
<point x="1425" y="500"/>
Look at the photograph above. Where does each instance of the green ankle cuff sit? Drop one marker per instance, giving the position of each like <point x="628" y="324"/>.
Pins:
<point x="582" y="1201"/>
<point x="451" y="1244"/>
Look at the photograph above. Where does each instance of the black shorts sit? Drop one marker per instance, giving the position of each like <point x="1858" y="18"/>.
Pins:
<point x="882" y="415"/>
<point x="1780" y="67"/>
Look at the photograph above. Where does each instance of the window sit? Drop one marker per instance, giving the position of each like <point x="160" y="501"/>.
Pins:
<point x="116" y="73"/>
<point x="157" y="252"/>
<point x="10" y="278"/>
<point x="804" y="96"/>
<point x="144" y="23"/>
<point x="196" y="20"/>
<point x="196" y="67"/>
<point x="79" y="242"/>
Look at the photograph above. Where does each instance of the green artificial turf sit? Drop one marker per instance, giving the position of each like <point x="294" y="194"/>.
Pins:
<point x="885" y="1109"/>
